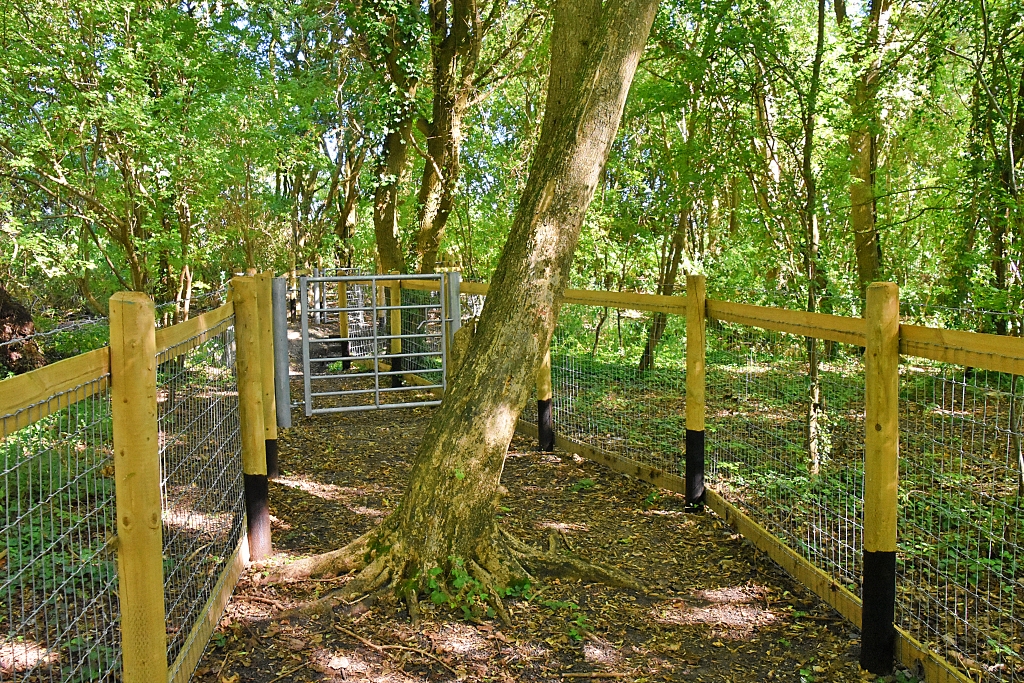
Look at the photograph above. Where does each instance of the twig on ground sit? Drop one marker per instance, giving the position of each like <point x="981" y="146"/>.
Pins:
<point x="384" y="648"/>
<point x="289" y="672"/>
<point x="222" y="665"/>
<point x="256" y="598"/>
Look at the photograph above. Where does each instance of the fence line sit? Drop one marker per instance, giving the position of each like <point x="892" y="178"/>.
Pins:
<point x="121" y="488"/>
<point x="955" y="614"/>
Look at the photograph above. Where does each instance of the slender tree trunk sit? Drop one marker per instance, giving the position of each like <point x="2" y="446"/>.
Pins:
<point x="812" y="242"/>
<point x="1006" y="211"/>
<point x="862" y="138"/>
<point x="666" y="286"/>
<point x="386" y="196"/>
<point x="448" y="508"/>
<point x="862" y="197"/>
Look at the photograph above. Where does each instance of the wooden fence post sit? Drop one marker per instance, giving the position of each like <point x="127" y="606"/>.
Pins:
<point x="343" y="325"/>
<point x="250" y="415"/>
<point x="881" y="476"/>
<point x="545" y="398"/>
<point x="396" y="329"/>
<point x="265" y="305"/>
<point x="695" y="348"/>
<point x="137" y="487"/>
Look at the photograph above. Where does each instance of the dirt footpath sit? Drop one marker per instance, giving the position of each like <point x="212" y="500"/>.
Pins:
<point x="721" y="612"/>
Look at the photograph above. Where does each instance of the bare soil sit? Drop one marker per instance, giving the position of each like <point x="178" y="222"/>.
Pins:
<point x="719" y="611"/>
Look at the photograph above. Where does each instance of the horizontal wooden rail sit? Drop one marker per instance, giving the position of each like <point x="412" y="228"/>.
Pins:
<point x="476" y="288"/>
<point x="911" y="652"/>
<point x="35" y="389"/>
<point x="801" y="323"/>
<point x="655" y="303"/>
<point x="196" y="329"/>
<point x="422" y="285"/>
<point x="972" y="349"/>
<point x="634" y="301"/>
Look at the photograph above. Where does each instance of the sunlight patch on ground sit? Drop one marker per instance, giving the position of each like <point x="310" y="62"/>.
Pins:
<point x="314" y="488"/>
<point x="599" y="652"/>
<point x="733" y="595"/>
<point x="342" y="663"/>
<point x="25" y="655"/>
<point x="739" y="609"/>
<point x="183" y="518"/>
<point x="367" y="512"/>
<point x="461" y="639"/>
<point x="563" y="526"/>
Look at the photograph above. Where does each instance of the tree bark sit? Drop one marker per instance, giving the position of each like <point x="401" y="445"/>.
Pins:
<point x="666" y="286"/>
<point x="448" y="508"/>
<point x="455" y="48"/>
<point x="385" y="199"/>
<point x="862" y="138"/>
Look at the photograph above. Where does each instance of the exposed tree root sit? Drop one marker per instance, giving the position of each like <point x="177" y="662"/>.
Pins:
<point x="385" y="568"/>
<point x="561" y="564"/>
<point x="334" y="563"/>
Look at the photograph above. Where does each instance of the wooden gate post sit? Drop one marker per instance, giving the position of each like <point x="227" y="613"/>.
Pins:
<point x="265" y="305"/>
<point x="137" y="487"/>
<point x="343" y="325"/>
<point x="250" y="415"/>
<point x="545" y="399"/>
<point x="396" y="329"/>
<point x="881" y="476"/>
<point x="695" y="348"/>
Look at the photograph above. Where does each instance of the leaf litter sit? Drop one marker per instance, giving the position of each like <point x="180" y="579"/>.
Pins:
<point x="719" y="610"/>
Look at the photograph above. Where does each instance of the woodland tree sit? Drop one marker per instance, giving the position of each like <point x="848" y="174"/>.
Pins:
<point x="447" y="512"/>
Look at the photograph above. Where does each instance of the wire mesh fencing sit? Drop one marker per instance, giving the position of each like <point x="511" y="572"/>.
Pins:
<point x="58" y="575"/>
<point x="604" y="399"/>
<point x="421" y="330"/>
<point x="961" y="564"/>
<point x="202" y="495"/>
<point x="785" y="443"/>
<point x="785" y="438"/>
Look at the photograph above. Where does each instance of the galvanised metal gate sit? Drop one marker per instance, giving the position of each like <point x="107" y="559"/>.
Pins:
<point x="376" y="341"/>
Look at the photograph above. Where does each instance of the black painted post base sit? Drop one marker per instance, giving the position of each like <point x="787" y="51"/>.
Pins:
<point x="695" y="468"/>
<point x="878" y="634"/>
<point x="396" y="366"/>
<point x="257" y="510"/>
<point x="545" y="426"/>
<point x="273" y="468"/>
<point x="345" y="364"/>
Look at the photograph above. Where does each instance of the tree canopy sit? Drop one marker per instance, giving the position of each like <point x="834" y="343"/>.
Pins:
<point x="161" y="147"/>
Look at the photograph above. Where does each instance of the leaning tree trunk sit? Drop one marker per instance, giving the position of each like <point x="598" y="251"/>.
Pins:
<point x="448" y="509"/>
<point x="386" y="196"/>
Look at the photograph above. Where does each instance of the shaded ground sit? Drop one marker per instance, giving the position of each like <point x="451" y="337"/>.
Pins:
<point x="725" y="613"/>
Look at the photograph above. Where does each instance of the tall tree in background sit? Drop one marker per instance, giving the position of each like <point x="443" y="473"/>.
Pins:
<point x="863" y="141"/>
<point x="447" y="512"/>
<point x="458" y="29"/>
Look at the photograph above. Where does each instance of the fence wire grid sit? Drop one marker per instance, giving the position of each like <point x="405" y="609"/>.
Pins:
<point x="786" y="445"/>
<point x="961" y="565"/>
<point x="59" y="610"/>
<point x="202" y="494"/>
<point x="798" y="472"/>
<point x="601" y="396"/>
